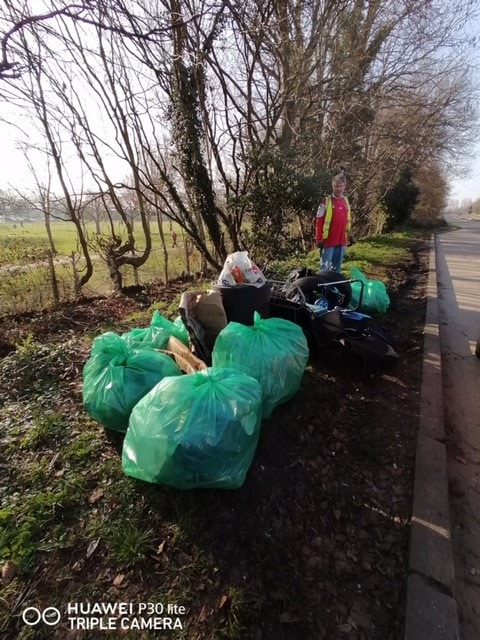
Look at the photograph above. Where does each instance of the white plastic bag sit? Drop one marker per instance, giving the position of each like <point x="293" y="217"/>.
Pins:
<point x="239" y="269"/>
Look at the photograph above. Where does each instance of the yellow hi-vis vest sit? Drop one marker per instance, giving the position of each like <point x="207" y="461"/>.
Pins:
<point x="328" y="218"/>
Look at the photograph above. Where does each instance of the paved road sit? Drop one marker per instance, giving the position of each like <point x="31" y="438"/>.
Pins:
<point x="458" y="281"/>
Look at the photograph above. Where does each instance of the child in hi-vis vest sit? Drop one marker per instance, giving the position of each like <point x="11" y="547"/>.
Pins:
<point x="333" y="226"/>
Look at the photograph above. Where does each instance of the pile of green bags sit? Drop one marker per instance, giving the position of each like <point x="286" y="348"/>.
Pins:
<point x="195" y="430"/>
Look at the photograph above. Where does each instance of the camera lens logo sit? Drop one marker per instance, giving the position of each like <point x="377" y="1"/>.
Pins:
<point x="32" y="616"/>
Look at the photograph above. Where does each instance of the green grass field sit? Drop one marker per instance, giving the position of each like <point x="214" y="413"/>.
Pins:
<point x="26" y="282"/>
<point x="20" y="243"/>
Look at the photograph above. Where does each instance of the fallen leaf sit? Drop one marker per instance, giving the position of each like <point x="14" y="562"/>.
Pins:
<point x="54" y="460"/>
<point x="9" y="569"/>
<point x="118" y="580"/>
<point x="95" y="496"/>
<point x="161" y="547"/>
<point x="224" y="601"/>
<point x="92" y="546"/>
<point x="203" y="614"/>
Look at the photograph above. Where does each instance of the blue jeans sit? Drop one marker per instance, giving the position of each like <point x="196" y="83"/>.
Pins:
<point x="331" y="258"/>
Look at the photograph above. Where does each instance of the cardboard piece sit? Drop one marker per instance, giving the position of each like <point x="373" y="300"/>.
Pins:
<point x="204" y="316"/>
<point x="185" y="359"/>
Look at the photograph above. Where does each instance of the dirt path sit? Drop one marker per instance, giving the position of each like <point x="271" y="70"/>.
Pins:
<point x="458" y="274"/>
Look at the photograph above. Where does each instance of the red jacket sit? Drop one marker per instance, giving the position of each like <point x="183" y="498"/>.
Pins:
<point x="339" y="224"/>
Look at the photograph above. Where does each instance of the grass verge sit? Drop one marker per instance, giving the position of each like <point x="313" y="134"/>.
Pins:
<point x="281" y="557"/>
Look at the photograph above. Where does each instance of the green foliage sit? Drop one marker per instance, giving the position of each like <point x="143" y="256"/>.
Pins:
<point x="238" y="614"/>
<point x="28" y="523"/>
<point x="189" y="137"/>
<point x="33" y="368"/>
<point x="122" y="489"/>
<point x="22" y="249"/>
<point x="35" y="474"/>
<point x="46" y="430"/>
<point x="128" y="541"/>
<point x="22" y="289"/>
<point x="168" y="310"/>
<point x="379" y="250"/>
<point x="81" y="450"/>
<point x="400" y="199"/>
<point x="280" y="269"/>
<point x="185" y="515"/>
<point x="281" y="202"/>
<point x="310" y="189"/>
<point x="368" y="253"/>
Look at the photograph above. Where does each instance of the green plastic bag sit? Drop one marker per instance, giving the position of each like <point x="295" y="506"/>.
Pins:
<point x="157" y="334"/>
<point x="375" y="298"/>
<point x="182" y="331"/>
<point x="197" y="431"/>
<point x="273" y="350"/>
<point x="116" y="376"/>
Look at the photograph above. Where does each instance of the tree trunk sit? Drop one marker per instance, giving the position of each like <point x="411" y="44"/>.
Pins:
<point x="46" y="217"/>
<point x="164" y="246"/>
<point x="188" y="133"/>
<point x="53" y="279"/>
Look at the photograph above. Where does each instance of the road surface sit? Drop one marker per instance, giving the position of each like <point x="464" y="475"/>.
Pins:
<point x="458" y="281"/>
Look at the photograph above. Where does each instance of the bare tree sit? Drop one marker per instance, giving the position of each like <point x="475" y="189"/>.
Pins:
<point x="33" y="91"/>
<point x="204" y="100"/>
<point x="42" y="198"/>
<point x="433" y="194"/>
<point x="20" y="19"/>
